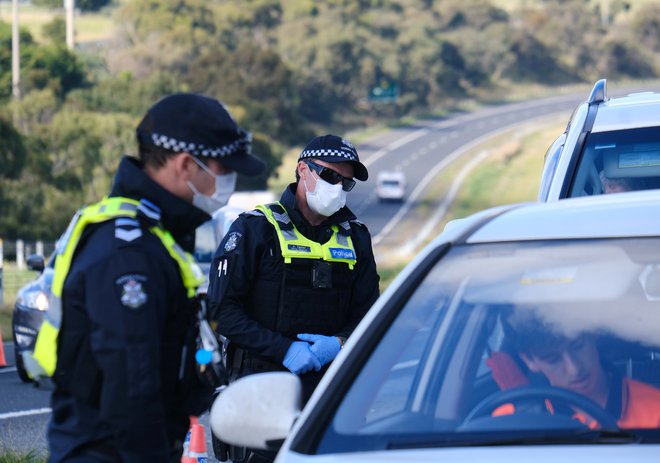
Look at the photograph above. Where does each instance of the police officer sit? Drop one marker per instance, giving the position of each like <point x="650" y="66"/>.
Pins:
<point x="292" y="279"/>
<point x="124" y="378"/>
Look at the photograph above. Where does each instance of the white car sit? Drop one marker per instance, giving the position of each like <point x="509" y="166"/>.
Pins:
<point x="610" y="145"/>
<point x="209" y="235"/>
<point x="496" y="344"/>
<point x="391" y="186"/>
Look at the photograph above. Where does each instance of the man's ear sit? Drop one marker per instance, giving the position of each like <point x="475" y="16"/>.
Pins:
<point x="530" y="362"/>
<point x="299" y="167"/>
<point x="183" y="166"/>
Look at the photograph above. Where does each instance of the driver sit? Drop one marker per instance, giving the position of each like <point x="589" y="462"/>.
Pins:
<point x="575" y="363"/>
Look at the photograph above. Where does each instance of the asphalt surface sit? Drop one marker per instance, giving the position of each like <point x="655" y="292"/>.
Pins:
<point x="421" y="151"/>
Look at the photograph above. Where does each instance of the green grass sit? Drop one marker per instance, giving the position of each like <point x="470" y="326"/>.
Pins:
<point x="88" y="26"/>
<point x="14" y="457"/>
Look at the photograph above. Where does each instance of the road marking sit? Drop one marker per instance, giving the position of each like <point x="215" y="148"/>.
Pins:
<point x="432" y="173"/>
<point x="394" y="145"/>
<point x="36" y="411"/>
<point x="7" y="369"/>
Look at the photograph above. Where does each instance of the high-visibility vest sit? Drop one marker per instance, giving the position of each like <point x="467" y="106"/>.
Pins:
<point x="294" y="245"/>
<point x="45" y="349"/>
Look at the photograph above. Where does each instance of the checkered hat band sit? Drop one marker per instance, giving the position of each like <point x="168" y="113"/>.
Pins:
<point x="327" y="152"/>
<point x="179" y="146"/>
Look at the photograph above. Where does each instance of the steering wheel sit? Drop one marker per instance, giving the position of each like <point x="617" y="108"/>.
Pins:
<point x="541" y="393"/>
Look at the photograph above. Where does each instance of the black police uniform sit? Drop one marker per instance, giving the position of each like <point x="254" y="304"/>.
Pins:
<point x="117" y="393"/>
<point x="250" y="287"/>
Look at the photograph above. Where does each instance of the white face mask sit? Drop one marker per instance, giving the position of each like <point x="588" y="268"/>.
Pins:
<point x="224" y="187"/>
<point x="326" y="199"/>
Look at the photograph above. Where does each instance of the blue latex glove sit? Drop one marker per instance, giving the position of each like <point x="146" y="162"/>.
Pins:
<point x="325" y="348"/>
<point x="299" y="359"/>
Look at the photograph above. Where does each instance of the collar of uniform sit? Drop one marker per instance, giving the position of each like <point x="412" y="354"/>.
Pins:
<point x="288" y="200"/>
<point x="178" y="216"/>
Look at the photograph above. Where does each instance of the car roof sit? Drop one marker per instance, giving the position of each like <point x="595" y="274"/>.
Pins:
<point x="391" y="174"/>
<point x="632" y="111"/>
<point x="633" y="214"/>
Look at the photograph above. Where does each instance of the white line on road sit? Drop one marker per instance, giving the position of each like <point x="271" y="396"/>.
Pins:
<point x="394" y="145"/>
<point x="7" y="369"/>
<point x="421" y="186"/>
<point x="36" y="411"/>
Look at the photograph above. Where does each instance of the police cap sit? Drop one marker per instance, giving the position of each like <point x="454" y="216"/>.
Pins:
<point x="331" y="148"/>
<point x="201" y="126"/>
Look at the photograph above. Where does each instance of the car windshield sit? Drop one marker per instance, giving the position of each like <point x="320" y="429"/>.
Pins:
<point x="618" y="161"/>
<point x="534" y="342"/>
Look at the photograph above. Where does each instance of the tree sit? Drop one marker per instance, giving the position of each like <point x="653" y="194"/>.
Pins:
<point x="12" y="150"/>
<point x="84" y="5"/>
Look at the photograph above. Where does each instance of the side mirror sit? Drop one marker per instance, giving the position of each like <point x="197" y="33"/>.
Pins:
<point x="36" y="262"/>
<point x="257" y="411"/>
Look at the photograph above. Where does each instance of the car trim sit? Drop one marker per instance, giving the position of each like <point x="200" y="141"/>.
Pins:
<point x="576" y="154"/>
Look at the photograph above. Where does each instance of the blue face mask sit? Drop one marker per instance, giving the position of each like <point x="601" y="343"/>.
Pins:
<point x="224" y="187"/>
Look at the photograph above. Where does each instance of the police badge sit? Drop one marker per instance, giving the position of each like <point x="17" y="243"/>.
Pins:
<point x="232" y="241"/>
<point x="132" y="293"/>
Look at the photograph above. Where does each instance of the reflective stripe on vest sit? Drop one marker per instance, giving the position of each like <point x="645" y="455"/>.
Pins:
<point x="45" y="349"/>
<point x="339" y="248"/>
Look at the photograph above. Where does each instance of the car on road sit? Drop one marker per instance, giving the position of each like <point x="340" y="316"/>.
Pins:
<point x="391" y="186"/>
<point x="610" y="145"/>
<point x="521" y="333"/>
<point x="33" y="299"/>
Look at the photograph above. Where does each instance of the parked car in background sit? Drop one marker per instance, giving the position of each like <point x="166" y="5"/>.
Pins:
<point x="31" y="303"/>
<point x="32" y="299"/>
<point x="610" y="145"/>
<point x="445" y="365"/>
<point x="391" y="186"/>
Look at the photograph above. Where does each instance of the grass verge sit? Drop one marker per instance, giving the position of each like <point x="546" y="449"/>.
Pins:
<point x="14" y="457"/>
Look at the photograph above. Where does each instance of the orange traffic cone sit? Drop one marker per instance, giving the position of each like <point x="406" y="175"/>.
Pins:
<point x="3" y="361"/>
<point x="197" y="446"/>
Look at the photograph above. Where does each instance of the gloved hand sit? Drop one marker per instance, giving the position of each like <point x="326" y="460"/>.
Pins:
<point x="299" y="358"/>
<point x="325" y="348"/>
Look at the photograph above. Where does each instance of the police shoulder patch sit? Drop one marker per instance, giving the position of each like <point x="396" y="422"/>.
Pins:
<point x="232" y="241"/>
<point x="131" y="290"/>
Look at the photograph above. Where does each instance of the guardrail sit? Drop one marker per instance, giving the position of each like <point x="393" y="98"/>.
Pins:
<point x="15" y="274"/>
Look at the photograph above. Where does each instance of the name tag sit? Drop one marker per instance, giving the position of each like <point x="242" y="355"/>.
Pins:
<point x="299" y="248"/>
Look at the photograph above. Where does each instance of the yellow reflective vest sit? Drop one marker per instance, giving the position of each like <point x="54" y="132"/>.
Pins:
<point x="45" y="350"/>
<point x="339" y="248"/>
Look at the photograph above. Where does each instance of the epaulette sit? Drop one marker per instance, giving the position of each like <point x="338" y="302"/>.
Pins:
<point x="254" y="212"/>
<point x="127" y="229"/>
<point x="357" y="222"/>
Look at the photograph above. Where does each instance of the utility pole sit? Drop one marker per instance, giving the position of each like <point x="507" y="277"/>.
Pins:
<point x="605" y="12"/>
<point x="69" y="8"/>
<point x="15" y="53"/>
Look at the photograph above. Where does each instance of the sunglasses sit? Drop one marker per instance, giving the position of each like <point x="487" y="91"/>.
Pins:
<point x="331" y="176"/>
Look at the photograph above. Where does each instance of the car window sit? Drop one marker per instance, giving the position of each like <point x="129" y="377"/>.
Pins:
<point x="441" y="373"/>
<point x="618" y="161"/>
<point x="206" y="242"/>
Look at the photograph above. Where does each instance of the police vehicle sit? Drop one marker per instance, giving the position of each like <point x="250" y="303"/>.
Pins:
<point x="442" y="367"/>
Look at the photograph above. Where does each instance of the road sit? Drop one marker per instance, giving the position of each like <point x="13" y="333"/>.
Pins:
<point x="421" y="151"/>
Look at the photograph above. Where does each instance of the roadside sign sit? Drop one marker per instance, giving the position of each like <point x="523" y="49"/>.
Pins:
<point x="384" y="93"/>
